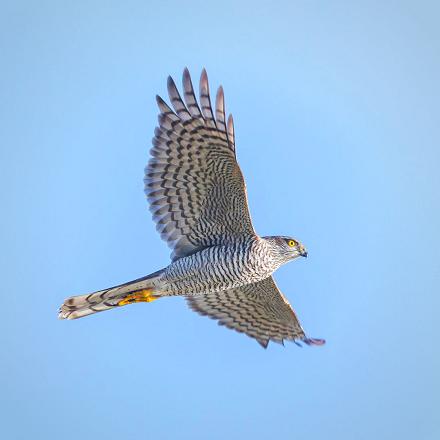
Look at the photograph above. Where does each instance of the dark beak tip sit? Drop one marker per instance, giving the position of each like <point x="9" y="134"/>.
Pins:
<point x="304" y="254"/>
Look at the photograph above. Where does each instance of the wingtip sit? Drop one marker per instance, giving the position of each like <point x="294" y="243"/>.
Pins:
<point x="187" y="82"/>
<point x="314" y="341"/>
<point x="186" y="77"/>
<point x="220" y="105"/>
<point x="204" y="80"/>
<point x="263" y="342"/>
<point x="231" y="127"/>
<point x="220" y="97"/>
<point x="171" y="85"/>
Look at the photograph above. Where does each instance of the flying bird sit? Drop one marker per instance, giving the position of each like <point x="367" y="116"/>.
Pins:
<point x="197" y="196"/>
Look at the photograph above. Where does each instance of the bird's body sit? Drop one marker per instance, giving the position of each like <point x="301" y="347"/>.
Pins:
<point x="198" y="200"/>
<point x="244" y="260"/>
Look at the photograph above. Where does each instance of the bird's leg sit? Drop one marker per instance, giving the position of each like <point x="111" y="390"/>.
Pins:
<point x="145" y="295"/>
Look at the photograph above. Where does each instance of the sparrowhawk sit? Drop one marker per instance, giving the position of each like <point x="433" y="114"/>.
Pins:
<point x="197" y="197"/>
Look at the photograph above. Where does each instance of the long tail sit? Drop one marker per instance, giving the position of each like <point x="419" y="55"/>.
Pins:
<point x="140" y="290"/>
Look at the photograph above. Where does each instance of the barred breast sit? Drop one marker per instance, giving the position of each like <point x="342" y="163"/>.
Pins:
<point x="243" y="261"/>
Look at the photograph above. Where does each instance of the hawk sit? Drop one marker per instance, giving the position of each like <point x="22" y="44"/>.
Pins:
<point x="197" y="197"/>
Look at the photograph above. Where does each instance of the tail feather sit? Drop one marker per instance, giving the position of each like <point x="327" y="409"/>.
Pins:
<point x="138" y="290"/>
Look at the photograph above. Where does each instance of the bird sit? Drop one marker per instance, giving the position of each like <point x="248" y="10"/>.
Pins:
<point x="198" y="200"/>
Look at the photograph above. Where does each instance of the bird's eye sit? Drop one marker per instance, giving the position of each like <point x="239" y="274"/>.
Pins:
<point x="291" y="243"/>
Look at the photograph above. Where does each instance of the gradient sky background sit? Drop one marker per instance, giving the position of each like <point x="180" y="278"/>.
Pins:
<point x="336" y="108"/>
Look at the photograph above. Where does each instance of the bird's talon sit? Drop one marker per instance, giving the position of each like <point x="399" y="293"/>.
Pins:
<point x="139" y="296"/>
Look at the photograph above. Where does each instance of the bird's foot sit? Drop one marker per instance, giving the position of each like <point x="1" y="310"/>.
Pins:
<point x="145" y="295"/>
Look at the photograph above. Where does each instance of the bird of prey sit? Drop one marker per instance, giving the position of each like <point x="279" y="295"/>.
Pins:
<point x="197" y="196"/>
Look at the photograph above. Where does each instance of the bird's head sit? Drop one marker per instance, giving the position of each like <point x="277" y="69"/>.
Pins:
<point x="286" y="248"/>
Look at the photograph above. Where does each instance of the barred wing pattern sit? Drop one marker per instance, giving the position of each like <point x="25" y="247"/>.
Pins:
<point x="259" y="310"/>
<point x="193" y="183"/>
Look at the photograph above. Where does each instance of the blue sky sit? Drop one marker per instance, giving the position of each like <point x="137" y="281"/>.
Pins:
<point x="336" y="108"/>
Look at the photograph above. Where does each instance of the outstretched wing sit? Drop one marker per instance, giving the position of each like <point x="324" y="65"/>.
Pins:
<point x="193" y="183"/>
<point x="260" y="310"/>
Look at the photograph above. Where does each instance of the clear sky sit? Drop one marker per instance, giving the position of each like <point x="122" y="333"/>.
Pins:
<point x="336" y="108"/>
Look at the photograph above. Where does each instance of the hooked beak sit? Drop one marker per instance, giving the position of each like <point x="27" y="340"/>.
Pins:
<point x="303" y="252"/>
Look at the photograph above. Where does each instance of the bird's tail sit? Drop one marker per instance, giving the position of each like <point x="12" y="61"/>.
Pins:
<point x="140" y="290"/>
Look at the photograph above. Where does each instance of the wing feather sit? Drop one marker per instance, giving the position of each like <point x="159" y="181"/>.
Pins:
<point x="193" y="183"/>
<point x="205" y="100"/>
<point x="176" y="100"/>
<point x="220" y="110"/>
<point x="231" y="135"/>
<point x="259" y="310"/>
<point x="189" y="95"/>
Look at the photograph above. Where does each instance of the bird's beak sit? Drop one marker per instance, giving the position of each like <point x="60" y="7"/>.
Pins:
<point x="303" y="252"/>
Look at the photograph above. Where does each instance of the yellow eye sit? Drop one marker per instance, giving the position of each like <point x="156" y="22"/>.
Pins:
<point x="291" y="243"/>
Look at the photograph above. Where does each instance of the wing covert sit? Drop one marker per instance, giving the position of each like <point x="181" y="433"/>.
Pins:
<point x="193" y="182"/>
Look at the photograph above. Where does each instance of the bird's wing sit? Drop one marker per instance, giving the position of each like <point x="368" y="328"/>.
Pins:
<point x="193" y="183"/>
<point x="259" y="310"/>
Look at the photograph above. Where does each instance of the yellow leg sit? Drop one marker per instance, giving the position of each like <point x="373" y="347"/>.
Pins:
<point x="138" y="296"/>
